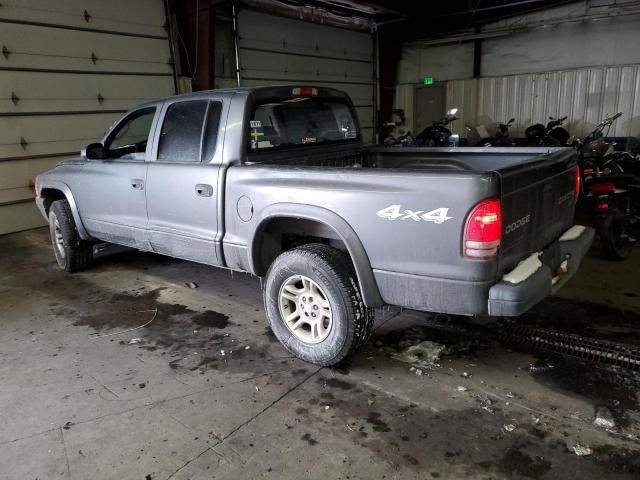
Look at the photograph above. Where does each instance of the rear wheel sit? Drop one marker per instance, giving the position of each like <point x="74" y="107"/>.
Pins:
<point x="314" y="306"/>
<point x="72" y="253"/>
<point x="615" y="237"/>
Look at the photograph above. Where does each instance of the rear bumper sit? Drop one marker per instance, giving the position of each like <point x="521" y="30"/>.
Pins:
<point x="536" y="278"/>
<point x="527" y="286"/>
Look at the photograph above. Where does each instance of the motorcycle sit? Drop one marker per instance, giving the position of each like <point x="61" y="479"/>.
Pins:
<point x="610" y="190"/>
<point x="553" y="135"/>
<point x="501" y="136"/>
<point x="437" y="134"/>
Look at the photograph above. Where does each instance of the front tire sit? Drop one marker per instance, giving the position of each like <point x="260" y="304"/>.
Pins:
<point x="72" y="253"/>
<point x="313" y="304"/>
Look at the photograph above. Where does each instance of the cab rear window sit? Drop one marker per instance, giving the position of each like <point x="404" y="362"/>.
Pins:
<point x="300" y="121"/>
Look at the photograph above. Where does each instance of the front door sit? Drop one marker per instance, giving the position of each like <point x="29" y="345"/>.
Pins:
<point x="110" y="193"/>
<point x="182" y="181"/>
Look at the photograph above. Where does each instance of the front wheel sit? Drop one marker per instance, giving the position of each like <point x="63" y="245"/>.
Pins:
<point x="615" y="237"/>
<point x="72" y="253"/>
<point x="314" y="306"/>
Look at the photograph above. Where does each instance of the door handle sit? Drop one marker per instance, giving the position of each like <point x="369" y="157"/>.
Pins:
<point x="137" y="184"/>
<point x="204" y="190"/>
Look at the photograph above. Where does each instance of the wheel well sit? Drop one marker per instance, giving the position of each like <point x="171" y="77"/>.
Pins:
<point x="284" y="233"/>
<point x="50" y="195"/>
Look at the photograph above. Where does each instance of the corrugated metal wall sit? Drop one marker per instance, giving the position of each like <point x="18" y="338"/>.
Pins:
<point x="278" y="50"/>
<point x="584" y="95"/>
<point x="68" y="69"/>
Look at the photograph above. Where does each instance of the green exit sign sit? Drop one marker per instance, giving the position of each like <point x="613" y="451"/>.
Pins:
<point x="428" y="80"/>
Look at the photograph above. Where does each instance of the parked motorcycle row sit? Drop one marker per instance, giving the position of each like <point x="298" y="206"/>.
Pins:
<point x="610" y="177"/>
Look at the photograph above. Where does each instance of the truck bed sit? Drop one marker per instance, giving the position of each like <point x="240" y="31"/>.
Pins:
<point x="536" y="188"/>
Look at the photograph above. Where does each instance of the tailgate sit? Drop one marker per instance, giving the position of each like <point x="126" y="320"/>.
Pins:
<point x="538" y="200"/>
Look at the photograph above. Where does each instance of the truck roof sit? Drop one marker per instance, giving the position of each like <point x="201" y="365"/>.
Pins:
<point x="258" y="92"/>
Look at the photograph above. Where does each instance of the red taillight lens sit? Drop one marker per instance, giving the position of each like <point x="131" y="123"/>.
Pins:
<point x="577" y="184"/>
<point x="603" y="206"/>
<point x="483" y="231"/>
<point x="602" y="189"/>
<point x="304" y="91"/>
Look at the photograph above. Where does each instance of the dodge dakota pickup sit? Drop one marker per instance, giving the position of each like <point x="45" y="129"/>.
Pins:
<point x="276" y="181"/>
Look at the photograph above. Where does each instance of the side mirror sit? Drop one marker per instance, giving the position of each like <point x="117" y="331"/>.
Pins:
<point x="452" y="112"/>
<point x="93" y="151"/>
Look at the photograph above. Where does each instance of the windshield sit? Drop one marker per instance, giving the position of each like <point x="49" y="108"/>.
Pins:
<point x="301" y="120"/>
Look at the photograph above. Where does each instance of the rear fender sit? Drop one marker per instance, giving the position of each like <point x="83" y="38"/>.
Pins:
<point x="368" y="286"/>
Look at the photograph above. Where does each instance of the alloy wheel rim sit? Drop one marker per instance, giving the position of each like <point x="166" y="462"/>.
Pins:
<point x="305" y="309"/>
<point x="59" y="240"/>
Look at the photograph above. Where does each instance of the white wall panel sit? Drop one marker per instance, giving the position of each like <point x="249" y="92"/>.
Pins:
<point x="139" y="17"/>
<point x="46" y="92"/>
<point x="585" y="96"/>
<point x="45" y="47"/>
<point x="45" y="134"/>
<point x="277" y="50"/>
<point x="55" y="98"/>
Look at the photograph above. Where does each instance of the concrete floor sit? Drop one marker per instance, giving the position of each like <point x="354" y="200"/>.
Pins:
<point x="80" y="400"/>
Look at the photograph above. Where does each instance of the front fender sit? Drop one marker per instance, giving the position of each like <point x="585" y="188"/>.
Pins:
<point x="66" y="191"/>
<point x="368" y="286"/>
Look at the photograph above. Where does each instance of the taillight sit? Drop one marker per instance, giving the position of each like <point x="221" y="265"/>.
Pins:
<point x="603" y="206"/>
<point x="304" y="91"/>
<point x="577" y="185"/>
<point x="602" y="189"/>
<point x="483" y="230"/>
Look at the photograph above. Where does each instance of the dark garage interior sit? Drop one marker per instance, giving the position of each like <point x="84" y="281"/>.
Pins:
<point x="332" y="239"/>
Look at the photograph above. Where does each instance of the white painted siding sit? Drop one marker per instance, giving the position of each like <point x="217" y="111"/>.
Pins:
<point x="584" y="95"/>
<point x="581" y="60"/>
<point x="278" y="50"/>
<point x="67" y="71"/>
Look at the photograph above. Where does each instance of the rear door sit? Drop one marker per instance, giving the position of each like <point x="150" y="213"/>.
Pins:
<point x="538" y="202"/>
<point x="182" y="180"/>
<point x="110" y="193"/>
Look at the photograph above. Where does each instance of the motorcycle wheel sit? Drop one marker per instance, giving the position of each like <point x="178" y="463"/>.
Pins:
<point x="615" y="238"/>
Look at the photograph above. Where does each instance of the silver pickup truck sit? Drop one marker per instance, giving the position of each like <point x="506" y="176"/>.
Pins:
<point x="276" y="181"/>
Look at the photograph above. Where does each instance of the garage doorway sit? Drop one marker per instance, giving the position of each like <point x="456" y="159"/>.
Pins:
<point x="429" y="106"/>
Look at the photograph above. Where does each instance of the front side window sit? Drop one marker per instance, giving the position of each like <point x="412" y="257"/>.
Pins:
<point x="181" y="134"/>
<point x="301" y="120"/>
<point x="129" y="139"/>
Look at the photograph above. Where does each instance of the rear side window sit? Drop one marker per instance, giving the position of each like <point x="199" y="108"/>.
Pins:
<point x="181" y="134"/>
<point x="211" y="131"/>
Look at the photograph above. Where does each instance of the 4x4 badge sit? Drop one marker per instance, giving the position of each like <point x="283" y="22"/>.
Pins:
<point x="394" y="212"/>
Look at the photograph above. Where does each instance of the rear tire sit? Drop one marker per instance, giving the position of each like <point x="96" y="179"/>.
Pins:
<point x="314" y="306"/>
<point x="615" y="238"/>
<point x="72" y="253"/>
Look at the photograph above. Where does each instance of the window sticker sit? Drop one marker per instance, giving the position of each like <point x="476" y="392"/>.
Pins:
<point x="257" y="135"/>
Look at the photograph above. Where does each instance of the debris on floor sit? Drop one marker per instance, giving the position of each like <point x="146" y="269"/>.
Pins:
<point x="581" y="450"/>
<point x="424" y="354"/>
<point x="191" y="285"/>
<point x="604" y="418"/>
<point x="135" y="341"/>
<point x="509" y="427"/>
<point x="539" y="367"/>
